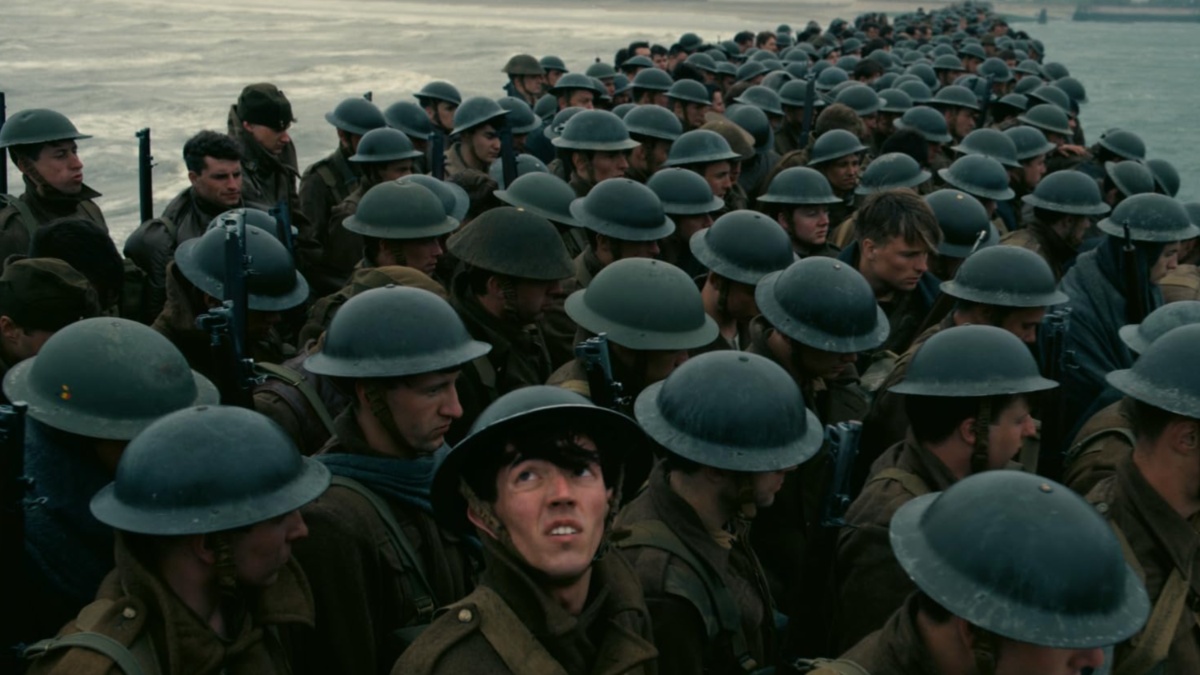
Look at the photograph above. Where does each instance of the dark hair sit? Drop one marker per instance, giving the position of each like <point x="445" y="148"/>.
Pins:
<point x="897" y="213"/>
<point x="210" y="144"/>
<point x="762" y="38"/>
<point x="83" y="245"/>
<point x="636" y="45"/>
<point x="686" y="71"/>
<point x="931" y="608"/>
<point x="1148" y="422"/>
<point x="555" y="445"/>
<point x="996" y="314"/>
<point x="621" y="56"/>
<point x="933" y="418"/>
<point x="909" y="142"/>
<point x="28" y="152"/>
<point x="743" y="37"/>
<point x="677" y="463"/>
<point x="658" y="50"/>
<point x="865" y="69"/>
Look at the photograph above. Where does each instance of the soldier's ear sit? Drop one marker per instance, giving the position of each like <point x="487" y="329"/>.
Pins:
<point x="478" y="522"/>
<point x="202" y="548"/>
<point x="966" y="431"/>
<point x="1184" y="435"/>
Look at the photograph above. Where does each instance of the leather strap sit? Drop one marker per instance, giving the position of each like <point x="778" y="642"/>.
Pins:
<point x="909" y="481"/>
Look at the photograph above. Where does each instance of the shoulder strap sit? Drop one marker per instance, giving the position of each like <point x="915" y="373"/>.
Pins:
<point x="1151" y="646"/>
<point x="327" y="175"/>
<point x="121" y="656"/>
<point x="909" y="481"/>
<point x="301" y="383"/>
<point x="580" y="387"/>
<point x="1081" y="447"/>
<point x="415" y="580"/>
<point x="487" y="374"/>
<point x="505" y="632"/>
<point x="23" y="210"/>
<point x="656" y="534"/>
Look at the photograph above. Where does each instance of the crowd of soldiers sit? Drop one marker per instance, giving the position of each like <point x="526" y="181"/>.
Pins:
<point x="834" y="350"/>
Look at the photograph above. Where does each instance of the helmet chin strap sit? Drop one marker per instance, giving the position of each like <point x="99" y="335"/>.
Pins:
<point x="376" y="395"/>
<point x="979" y="453"/>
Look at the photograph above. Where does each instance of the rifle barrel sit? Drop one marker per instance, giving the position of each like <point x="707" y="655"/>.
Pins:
<point x="145" y="176"/>
<point x="4" y="169"/>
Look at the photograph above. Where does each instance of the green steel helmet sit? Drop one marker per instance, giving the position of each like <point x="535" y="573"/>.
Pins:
<point x="1050" y="93"/>
<point x="533" y="412"/>
<point x="979" y="176"/>
<point x="409" y="119"/>
<point x="996" y="69"/>
<point x="763" y="98"/>
<point x="885" y="81"/>
<point x="825" y="304"/>
<point x="963" y="221"/>
<point x="1029" y="67"/>
<point x="272" y="282"/>
<point x="1131" y="177"/>
<point x="689" y="91"/>
<point x="1028" y="141"/>
<point x="1074" y="89"/>
<point x="653" y="79"/>
<point x="743" y="246"/>
<point x="930" y="123"/>
<point x="542" y="194"/>
<point x="1006" y="276"/>
<point x="515" y="243"/>
<point x="653" y="121"/>
<point x="955" y="96"/>
<point x="990" y="143"/>
<point x="394" y="210"/>
<point x="973" y="50"/>
<point x="1166" y="375"/>
<point x="890" y="171"/>
<point x="595" y="130"/>
<point x="948" y="364"/>
<point x="623" y="209"/>
<point x="793" y="94"/>
<point x="1124" y="144"/>
<point x="546" y="107"/>
<point x="356" y="115"/>
<point x="572" y="81"/>
<point x="37" y="125"/>
<point x="189" y="473"/>
<point x="523" y="64"/>
<point x="1046" y="569"/>
<point x="1139" y="336"/>
<point x="702" y="61"/>
<point x="638" y="61"/>
<point x="925" y="73"/>
<point x="684" y="193"/>
<point x="525" y="164"/>
<point x="256" y="217"/>
<point x="754" y="121"/>
<point x="700" y="146"/>
<point x="1055" y="71"/>
<point x="555" y="128"/>
<point x="796" y="70"/>
<point x="1150" y="217"/>
<point x="799" y="185"/>
<point x="440" y="91"/>
<point x="1028" y="84"/>
<point x="600" y="70"/>
<point x="731" y="410"/>
<point x="830" y="78"/>
<point x="750" y="70"/>
<point x="553" y="64"/>
<point x="476" y="111"/>
<point x="106" y="378"/>
<point x="384" y="145"/>
<point x="861" y="99"/>
<point x="520" y="116"/>
<point x="1166" y="177"/>
<point x="454" y="199"/>
<point x="894" y="101"/>
<point x="394" y="331"/>
<point x="1072" y="192"/>
<point x="918" y="91"/>
<point x="1047" y="117"/>
<point x="834" y="144"/>
<point x="643" y="304"/>
<point x="949" y="62"/>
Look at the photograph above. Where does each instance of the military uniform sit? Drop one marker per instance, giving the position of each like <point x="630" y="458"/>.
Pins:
<point x="140" y="611"/>
<point x="894" y="649"/>
<point x="507" y="625"/>
<point x="342" y="249"/>
<point x="906" y="311"/>
<point x="364" y="278"/>
<point x="16" y="234"/>
<point x="324" y="185"/>
<point x="302" y="403"/>
<point x="365" y="589"/>
<point x="559" y="330"/>
<point x="1102" y="444"/>
<point x="1043" y="241"/>
<point x="455" y="164"/>
<point x="1182" y="283"/>
<point x="687" y="631"/>
<point x="788" y="139"/>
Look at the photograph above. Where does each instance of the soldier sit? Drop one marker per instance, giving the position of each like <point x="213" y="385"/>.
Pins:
<point x="476" y="125"/>
<point x="204" y="573"/>
<point x="691" y="102"/>
<point x="523" y="122"/>
<point x="548" y="196"/>
<point x="984" y="179"/>
<point x="1104" y="441"/>
<point x="555" y="68"/>
<point x="651" y="86"/>
<point x="411" y="119"/>
<point x="41" y="144"/>
<point x="688" y="201"/>
<point x="986" y="609"/>
<point x="440" y="101"/>
<point x="1125" y="179"/>
<point x="383" y="155"/>
<point x="742" y="145"/>
<point x="837" y="154"/>
<point x="966" y="230"/>
<point x="1032" y="147"/>
<point x="1062" y="207"/>
<point x="1110" y="286"/>
<point x="387" y="445"/>
<point x="576" y="90"/>
<point x="526" y="78"/>
<point x="331" y="179"/>
<point x="966" y="415"/>
<point x="197" y="281"/>
<point x="933" y="128"/>
<point x="401" y="224"/>
<point x="688" y="533"/>
<point x="655" y="130"/>
<point x="1184" y="282"/>
<point x="753" y="121"/>
<point x="514" y="263"/>
<point x="538" y="482"/>
<point x="1148" y="505"/>
<point x="798" y="199"/>
<point x="214" y="164"/>
<point x="739" y="250"/>
<point x="707" y="153"/>
<point x="594" y="146"/>
<point x="92" y="387"/>
<point x="652" y="314"/>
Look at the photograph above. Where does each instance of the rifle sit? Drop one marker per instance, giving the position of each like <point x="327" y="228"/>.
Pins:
<point x="1055" y="360"/>
<point x="282" y="213"/>
<point x="227" y="324"/>
<point x="606" y="391"/>
<point x="508" y="157"/>
<point x="13" y="488"/>
<point x="986" y="103"/>
<point x="843" y="439"/>
<point x="437" y="155"/>
<point x="145" y="175"/>
<point x="810" y="98"/>
<point x="1135" y="297"/>
<point x="4" y="170"/>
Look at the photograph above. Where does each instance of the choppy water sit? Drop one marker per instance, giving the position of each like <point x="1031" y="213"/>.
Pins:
<point x="115" y="66"/>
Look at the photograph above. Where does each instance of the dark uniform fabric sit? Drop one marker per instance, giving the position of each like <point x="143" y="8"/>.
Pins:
<point x="324" y="185"/>
<point x="341" y="249"/>
<point x="679" y="625"/>
<point x="871" y="585"/>
<point x="1102" y="444"/>
<point x="292" y="410"/>
<point x="518" y="358"/>
<point x="826" y="250"/>
<point x="894" y="649"/>
<point x="678" y="251"/>
<point x="364" y="278"/>
<point x="15" y="233"/>
<point x="906" y="311"/>
<point x="139" y="610"/>
<point x="788" y="139"/>
<point x="358" y="577"/>
<point x="558" y="328"/>
<point x="1182" y="283"/>
<point x="509" y="625"/>
<point x="1160" y="541"/>
<point x="1039" y="238"/>
<point x="843" y="211"/>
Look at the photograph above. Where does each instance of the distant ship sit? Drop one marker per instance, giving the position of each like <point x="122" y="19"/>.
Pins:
<point x="1135" y="12"/>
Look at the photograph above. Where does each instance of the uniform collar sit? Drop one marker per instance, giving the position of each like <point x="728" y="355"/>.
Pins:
<point x="1174" y="534"/>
